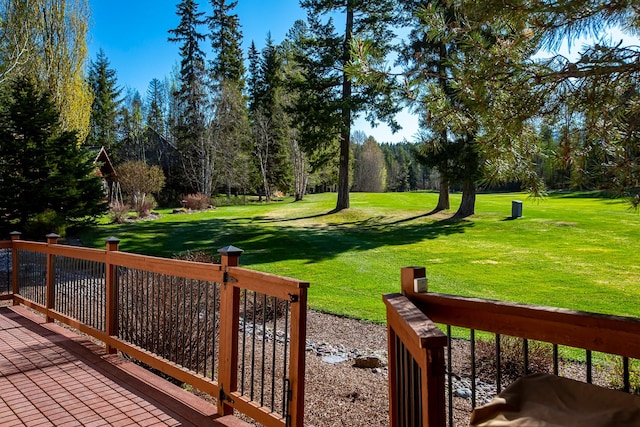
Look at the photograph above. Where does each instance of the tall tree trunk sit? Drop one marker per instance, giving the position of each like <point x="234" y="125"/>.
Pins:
<point x="443" y="197"/>
<point x="468" y="203"/>
<point x="345" y="134"/>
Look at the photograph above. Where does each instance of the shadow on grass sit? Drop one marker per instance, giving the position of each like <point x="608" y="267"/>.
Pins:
<point x="266" y="243"/>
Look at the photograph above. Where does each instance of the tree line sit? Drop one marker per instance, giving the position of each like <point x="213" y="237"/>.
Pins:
<point x="493" y="105"/>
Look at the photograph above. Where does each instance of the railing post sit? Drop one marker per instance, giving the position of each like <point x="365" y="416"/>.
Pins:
<point x="50" y="301"/>
<point x="111" y="279"/>
<point x="298" y="357"/>
<point x="15" y="265"/>
<point x="408" y="277"/>
<point x="431" y="360"/>
<point x="229" y="326"/>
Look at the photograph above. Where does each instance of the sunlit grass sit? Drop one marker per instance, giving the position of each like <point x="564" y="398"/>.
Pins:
<point x="569" y="250"/>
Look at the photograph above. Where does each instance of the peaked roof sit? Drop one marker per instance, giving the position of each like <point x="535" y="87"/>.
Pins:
<point x="102" y="158"/>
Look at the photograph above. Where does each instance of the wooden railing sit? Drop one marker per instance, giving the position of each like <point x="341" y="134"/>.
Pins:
<point x="415" y="340"/>
<point x="236" y="334"/>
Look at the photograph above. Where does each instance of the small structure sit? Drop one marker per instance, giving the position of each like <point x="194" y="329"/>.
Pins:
<point x="106" y="171"/>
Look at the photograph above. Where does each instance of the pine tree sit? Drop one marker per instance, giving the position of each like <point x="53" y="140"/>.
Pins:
<point x="269" y="120"/>
<point x="598" y="87"/>
<point x="156" y="101"/>
<point x="132" y="128"/>
<point x="103" y="122"/>
<point x="196" y="150"/>
<point x="45" y="179"/>
<point x="226" y="41"/>
<point x="229" y="127"/>
<point x="469" y="126"/>
<point x="328" y="89"/>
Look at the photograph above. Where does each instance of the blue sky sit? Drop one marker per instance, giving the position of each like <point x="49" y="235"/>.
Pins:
<point x="133" y="35"/>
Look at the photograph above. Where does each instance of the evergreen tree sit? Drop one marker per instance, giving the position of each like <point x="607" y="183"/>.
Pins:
<point x="229" y="125"/>
<point x="226" y="41"/>
<point x="599" y="87"/>
<point x="470" y="131"/>
<point x="230" y="131"/>
<point x="330" y="98"/>
<point x="44" y="176"/>
<point x="103" y="122"/>
<point x="291" y="74"/>
<point x="197" y="152"/>
<point x="156" y="101"/>
<point x="132" y="128"/>
<point x="270" y="122"/>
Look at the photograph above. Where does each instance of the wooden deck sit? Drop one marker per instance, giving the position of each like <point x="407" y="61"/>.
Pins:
<point x="51" y="376"/>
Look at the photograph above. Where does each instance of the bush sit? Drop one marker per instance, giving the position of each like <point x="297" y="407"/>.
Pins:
<point x="230" y="201"/>
<point x="196" y="202"/>
<point x="145" y="206"/>
<point x="119" y="211"/>
<point x="616" y="372"/>
<point x="512" y="358"/>
<point x="39" y="225"/>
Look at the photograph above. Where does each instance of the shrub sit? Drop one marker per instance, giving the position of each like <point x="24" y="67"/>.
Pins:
<point x="615" y="374"/>
<point x="138" y="180"/>
<point x="41" y="224"/>
<point x="196" y="202"/>
<point x="145" y="206"/>
<point x="230" y="201"/>
<point x="119" y="211"/>
<point x="512" y="358"/>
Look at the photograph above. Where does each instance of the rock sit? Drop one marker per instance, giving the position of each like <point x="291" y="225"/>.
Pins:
<point x="463" y="392"/>
<point x="371" y="361"/>
<point x="333" y="360"/>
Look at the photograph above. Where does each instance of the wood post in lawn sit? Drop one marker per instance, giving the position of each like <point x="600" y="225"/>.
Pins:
<point x="229" y="327"/>
<point x="111" y="279"/>
<point x="50" y="302"/>
<point x="15" y="236"/>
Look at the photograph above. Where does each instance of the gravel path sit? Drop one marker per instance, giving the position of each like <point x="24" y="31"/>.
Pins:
<point x="340" y="394"/>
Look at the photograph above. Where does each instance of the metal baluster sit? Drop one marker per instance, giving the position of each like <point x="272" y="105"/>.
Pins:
<point x="285" y="353"/>
<point x="555" y="360"/>
<point x="273" y="355"/>
<point x="525" y="350"/>
<point x="264" y="344"/>
<point x="198" y="319"/>
<point x="473" y="368"/>
<point x="207" y="286"/>
<point x="498" y="365"/>
<point x="449" y="376"/>
<point x="253" y="346"/>
<point x="589" y="367"/>
<point x="625" y="374"/>
<point x="244" y="338"/>
<point x="216" y="286"/>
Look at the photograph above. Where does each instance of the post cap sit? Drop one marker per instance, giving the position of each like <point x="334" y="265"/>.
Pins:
<point x="52" y="236"/>
<point x="15" y="233"/>
<point x="112" y="240"/>
<point x="230" y="251"/>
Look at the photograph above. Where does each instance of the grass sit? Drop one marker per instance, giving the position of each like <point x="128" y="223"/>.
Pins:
<point x="571" y="250"/>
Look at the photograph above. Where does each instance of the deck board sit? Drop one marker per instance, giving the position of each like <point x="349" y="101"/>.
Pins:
<point x="50" y="376"/>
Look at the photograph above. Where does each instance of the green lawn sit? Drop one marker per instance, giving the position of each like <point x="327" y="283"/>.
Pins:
<point x="569" y="250"/>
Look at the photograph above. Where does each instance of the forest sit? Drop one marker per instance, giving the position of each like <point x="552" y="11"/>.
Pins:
<point x="498" y="107"/>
